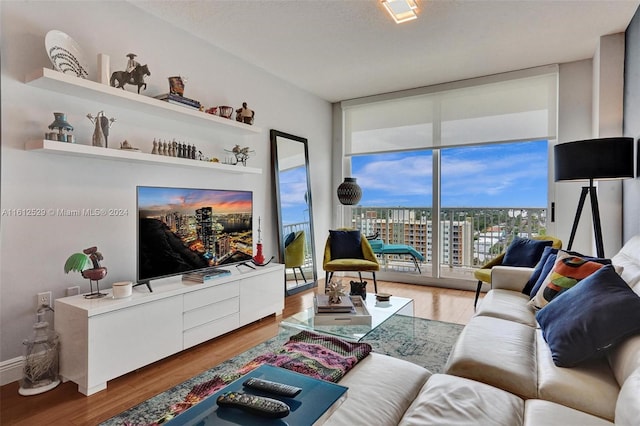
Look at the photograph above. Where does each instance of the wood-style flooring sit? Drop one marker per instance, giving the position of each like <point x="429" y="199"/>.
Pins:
<point x="64" y="405"/>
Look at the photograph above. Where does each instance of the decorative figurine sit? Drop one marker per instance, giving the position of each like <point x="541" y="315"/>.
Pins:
<point x="80" y="261"/>
<point x="134" y="74"/>
<point x="125" y="145"/>
<point x="259" y="257"/>
<point x="244" y="114"/>
<point x="335" y="290"/>
<point x="101" y="131"/>
<point x="62" y="126"/>
<point x="155" y="147"/>
<point x="241" y="154"/>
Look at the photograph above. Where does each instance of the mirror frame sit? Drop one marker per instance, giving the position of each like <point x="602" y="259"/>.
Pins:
<point x="274" y="135"/>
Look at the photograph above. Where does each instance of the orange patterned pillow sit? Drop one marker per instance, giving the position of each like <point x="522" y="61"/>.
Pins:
<point x="567" y="271"/>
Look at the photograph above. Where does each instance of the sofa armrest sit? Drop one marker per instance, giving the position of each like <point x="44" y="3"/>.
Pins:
<point x="510" y="277"/>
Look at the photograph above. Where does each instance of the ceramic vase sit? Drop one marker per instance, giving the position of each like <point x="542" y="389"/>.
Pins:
<point x="349" y="192"/>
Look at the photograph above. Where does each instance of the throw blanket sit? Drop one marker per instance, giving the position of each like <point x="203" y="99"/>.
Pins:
<point x="316" y="355"/>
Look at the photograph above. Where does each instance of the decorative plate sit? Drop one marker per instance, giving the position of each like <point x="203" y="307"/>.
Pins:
<point x="65" y="54"/>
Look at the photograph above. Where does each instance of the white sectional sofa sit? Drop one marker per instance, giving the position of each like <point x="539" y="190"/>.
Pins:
<point x="502" y="372"/>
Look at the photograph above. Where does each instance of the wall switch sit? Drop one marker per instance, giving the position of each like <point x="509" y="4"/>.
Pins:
<point x="44" y="299"/>
<point x="72" y="291"/>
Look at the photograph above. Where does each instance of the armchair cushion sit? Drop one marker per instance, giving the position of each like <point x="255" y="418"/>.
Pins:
<point x="583" y="322"/>
<point x="345" y="244"/>
<point x="524" y="252"/>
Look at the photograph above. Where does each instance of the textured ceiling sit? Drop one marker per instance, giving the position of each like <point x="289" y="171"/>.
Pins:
<point x="343" y="49"/>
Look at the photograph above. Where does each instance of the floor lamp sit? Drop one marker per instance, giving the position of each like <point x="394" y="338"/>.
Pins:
<point x="593" y="159"/>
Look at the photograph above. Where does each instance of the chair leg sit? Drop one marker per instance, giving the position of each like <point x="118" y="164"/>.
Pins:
<point x="375" y="283"/>
<point x="295" y="275"/>
<point x="475" y="303"/>
<point x="327" y="277"/>
<point x="302" y="273"/>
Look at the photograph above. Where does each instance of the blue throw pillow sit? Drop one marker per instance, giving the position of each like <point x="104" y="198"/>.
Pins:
<point x="345" y="244"/>
<point x="524" y="252"/>
<point x="538" y="269"/>
<point x="289" y="239"/>
<point x="583" y="322"/>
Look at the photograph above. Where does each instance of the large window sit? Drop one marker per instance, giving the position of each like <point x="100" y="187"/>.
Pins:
<point x="453" y="173"/>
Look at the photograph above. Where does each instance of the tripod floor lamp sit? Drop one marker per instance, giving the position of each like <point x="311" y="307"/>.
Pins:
<point x="593" y="159"/>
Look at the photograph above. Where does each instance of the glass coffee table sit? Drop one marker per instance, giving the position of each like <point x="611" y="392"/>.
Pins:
<point x="352" y="328"/>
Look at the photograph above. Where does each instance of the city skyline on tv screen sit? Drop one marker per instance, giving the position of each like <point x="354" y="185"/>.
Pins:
<point x="186" y="229"/>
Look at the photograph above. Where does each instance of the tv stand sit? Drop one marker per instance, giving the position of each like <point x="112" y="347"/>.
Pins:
<point x="147" y="327"/>
<point x="147" y="283"/>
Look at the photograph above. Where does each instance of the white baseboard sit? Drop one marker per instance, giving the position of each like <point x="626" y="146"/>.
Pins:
<point x="11" y="370"/>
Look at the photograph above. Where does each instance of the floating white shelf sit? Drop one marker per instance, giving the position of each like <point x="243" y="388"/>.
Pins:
<point x="87" y="89"/>
<point x="55" y="147"/>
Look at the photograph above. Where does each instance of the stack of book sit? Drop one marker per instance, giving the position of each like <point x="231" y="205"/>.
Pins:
<point x="345" y="306"/>
<point x="172" y="98"/>
<point x="203" y="276"/>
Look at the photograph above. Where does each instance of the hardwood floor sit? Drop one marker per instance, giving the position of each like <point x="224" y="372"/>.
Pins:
<point x="66" y="406"/>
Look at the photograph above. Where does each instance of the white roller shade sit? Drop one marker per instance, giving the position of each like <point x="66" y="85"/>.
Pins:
<point x="520" y="106"/>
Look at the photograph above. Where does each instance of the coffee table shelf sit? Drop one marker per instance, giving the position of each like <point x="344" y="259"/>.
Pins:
<point x="379" y="311"/>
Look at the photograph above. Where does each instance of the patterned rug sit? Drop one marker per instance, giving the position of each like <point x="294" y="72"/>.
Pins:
<point x="423" y="342"/>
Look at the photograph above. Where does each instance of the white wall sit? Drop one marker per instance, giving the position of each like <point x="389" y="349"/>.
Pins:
<point x="631" y="187"/>
<point x="590" y="105"/>
<point x="33" y="249"/>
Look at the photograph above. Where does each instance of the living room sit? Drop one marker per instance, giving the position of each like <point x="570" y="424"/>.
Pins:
<point x="32" y="180"/>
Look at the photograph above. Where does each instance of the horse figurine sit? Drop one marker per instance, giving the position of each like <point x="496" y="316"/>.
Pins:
<point x="135" y="77"/>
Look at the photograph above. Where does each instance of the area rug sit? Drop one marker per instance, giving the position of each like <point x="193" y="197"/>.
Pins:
<point x="423" y="342"/>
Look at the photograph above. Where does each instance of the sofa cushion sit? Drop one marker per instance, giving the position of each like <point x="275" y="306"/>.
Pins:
<point x="345" y="244"/>
<point x="624" y="358"/>
<point x="544" y="413"/>
<point x="628" y="406"/>
<point x="508" y="305"/>
<point x="451" y="400"/>
<point x="629" y="258"/>
<point x="567" y="271"/>
<point x="589" y="318"/>
<point x="381" y="388"/>
<point x="524" y="252"/>
<point x="498" y="352"/>
<point x="589" y="387"/>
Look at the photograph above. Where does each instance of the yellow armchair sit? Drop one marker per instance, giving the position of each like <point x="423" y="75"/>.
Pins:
<point x="294" y="254"/>
<point x="350" y="256"/>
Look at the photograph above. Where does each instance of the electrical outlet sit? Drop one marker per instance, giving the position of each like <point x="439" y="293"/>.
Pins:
<point x="44" y="299"/>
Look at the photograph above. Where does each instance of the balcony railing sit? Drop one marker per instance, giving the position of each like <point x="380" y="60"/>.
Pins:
<point x="469" y="237"/>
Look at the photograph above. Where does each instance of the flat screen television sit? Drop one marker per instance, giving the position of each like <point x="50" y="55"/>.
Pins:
<point x="182" y="230"/>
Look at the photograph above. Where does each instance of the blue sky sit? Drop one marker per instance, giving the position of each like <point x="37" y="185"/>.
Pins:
<point x="500" y="175"/>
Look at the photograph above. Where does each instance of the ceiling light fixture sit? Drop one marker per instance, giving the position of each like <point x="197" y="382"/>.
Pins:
<point x="401" y="10"/>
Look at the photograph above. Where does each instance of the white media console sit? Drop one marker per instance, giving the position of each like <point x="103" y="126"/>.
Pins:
<point x="101" y="339"/>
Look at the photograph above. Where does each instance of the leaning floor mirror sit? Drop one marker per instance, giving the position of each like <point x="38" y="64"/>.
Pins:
<point x="290" y="164"/>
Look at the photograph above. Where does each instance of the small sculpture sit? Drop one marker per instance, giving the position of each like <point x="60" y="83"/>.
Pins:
<point x="335" y="290"/>
<point x="127" y="146"/>
<point x="62" y="126"/>
<point x="244" y="114"/>
<point x="155" y="147"/>
<point x="176" y="85"/>
<point x="80" y="261"/>
<point x="241" y="154"/>
<point x="101" y="131"/>
<point x="134" y="74"/>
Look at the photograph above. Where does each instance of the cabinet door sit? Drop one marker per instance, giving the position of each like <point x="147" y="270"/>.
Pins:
<point x="261" y="296"/>
<point x="130" y="338"/>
